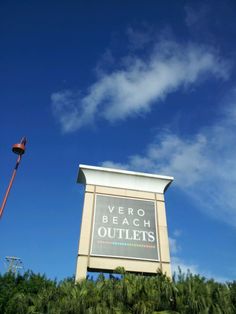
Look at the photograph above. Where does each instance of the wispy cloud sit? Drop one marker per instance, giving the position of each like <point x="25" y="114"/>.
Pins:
<point x="197" y="15"/>
<point x="178" y="263"/>
<point x="203" y="165"/>
<point x="140" y="38"/>
<point x="174" y="246"/>
<point x="137" y="84"/>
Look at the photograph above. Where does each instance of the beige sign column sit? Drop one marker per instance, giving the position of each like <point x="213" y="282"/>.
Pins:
<point x="123" y="222"/>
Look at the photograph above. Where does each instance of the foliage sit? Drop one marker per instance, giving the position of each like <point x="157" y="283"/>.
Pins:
<point x="186" y="293"/>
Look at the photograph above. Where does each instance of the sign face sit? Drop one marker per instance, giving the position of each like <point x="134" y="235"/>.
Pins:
<point x="124" y="228"/>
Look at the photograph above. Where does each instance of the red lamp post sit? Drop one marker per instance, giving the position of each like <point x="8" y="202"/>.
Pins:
<point x="18" y="149"/>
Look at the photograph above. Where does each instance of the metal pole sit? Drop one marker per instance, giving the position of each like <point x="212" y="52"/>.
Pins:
<point x="18" y="149"/>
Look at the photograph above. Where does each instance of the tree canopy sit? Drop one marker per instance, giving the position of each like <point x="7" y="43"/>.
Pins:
<point x="186" y="293"/>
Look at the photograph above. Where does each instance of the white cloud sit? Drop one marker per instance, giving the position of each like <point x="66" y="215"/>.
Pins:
<point x="174" y="246"/>
<point x="177" y="263"/>
<point x="116" y="165"/>
<point x="197" y="15"/>
<point x="137" y="84"/>
<point x="177" y="232"/>
<point x="203" y="165"/>
<point x="138" y="39"/>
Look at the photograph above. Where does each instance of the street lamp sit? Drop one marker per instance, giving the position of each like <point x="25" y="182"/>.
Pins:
<point x="18" y="149"/>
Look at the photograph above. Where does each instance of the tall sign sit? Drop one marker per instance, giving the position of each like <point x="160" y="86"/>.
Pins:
<point x="123" y="222"/>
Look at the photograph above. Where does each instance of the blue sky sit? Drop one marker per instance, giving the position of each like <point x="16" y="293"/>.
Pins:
<point x="145" y="86"/>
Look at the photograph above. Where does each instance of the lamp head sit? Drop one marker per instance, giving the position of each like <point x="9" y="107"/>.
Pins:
<point x="19" y="148"/>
